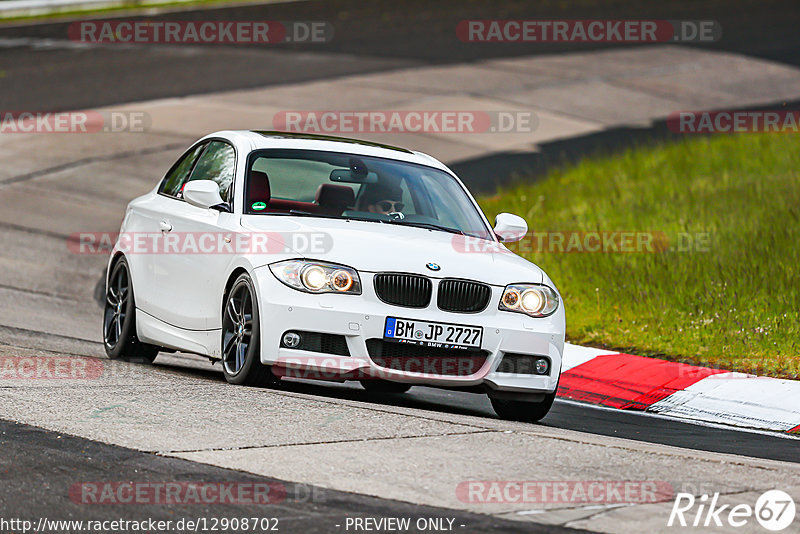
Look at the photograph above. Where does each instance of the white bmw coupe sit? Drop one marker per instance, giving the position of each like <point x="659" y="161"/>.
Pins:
<point x="288" y="255"/>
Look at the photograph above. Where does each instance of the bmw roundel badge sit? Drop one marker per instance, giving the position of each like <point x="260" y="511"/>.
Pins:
<point x="433" y="266"/>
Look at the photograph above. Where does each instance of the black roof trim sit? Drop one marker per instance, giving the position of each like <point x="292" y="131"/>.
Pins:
<point x="317" y="137"/>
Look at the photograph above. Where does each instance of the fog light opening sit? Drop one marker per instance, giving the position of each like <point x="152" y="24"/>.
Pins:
<point x="542" y="366"/>
<point x="292" y="340"/>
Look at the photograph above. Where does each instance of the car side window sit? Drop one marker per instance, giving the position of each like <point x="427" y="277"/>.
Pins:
<point x="179" y="173"/>
<point x="217" y="163"/>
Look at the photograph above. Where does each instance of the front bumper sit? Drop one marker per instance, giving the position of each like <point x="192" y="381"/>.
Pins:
<point x="362" y="317"/>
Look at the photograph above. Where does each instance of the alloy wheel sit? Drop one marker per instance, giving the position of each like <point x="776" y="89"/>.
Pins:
<point x="115" y="313"/>
<point x="237" y="329"/>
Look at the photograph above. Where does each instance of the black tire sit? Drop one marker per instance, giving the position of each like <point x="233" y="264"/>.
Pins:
<point x="527" y="412"/>
<point x="241" y="355"/>
<point x="119" y="319"/>
<point x="384" y="386"/>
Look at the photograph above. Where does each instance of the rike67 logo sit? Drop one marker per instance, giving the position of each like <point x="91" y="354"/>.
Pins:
<point x="774" y="510"/>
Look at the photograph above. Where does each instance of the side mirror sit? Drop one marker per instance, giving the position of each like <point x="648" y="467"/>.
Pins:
<point x="509" y="227"/>
<point x="202" y="193"/>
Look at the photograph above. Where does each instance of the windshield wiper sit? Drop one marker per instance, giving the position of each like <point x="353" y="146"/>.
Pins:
<point x="300" y="213"/>
<point x="429" y="226"/>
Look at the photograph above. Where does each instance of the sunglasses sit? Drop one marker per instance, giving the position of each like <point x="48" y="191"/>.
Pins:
<point x="389" y="206"/>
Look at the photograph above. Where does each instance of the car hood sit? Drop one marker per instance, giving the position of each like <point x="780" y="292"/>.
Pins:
<point x="375" y="247"/>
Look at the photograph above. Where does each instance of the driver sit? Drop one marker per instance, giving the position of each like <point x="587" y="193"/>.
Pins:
<point x="382" y="198"/>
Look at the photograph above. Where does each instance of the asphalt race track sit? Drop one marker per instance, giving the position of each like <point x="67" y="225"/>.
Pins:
<point x="362" y="454"/>
<point x="379" y="35"/>
<point x="58" y="461"/>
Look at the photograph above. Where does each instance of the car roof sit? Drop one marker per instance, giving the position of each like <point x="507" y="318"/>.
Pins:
<point x="261" y="139"/>
<point x="274" y="134"/>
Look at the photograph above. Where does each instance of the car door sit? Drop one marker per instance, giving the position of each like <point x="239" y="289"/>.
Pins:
<point x="145" y="221"/>
<point x="195" y="257"/>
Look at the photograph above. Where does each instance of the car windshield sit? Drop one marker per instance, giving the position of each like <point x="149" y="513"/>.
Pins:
<point x="347" y="186"/>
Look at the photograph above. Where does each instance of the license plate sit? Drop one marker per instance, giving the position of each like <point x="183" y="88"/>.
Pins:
<point x="431" y="334"/>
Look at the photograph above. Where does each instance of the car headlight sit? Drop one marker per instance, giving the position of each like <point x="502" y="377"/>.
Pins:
<point x="532" y="299"/>
<point x="317" y="277"/>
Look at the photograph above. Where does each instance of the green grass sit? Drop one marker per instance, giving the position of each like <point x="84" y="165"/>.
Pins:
<point x="733" y="305"/>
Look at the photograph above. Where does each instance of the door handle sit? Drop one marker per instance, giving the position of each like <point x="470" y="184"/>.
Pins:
<point x="165" y="226"/>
